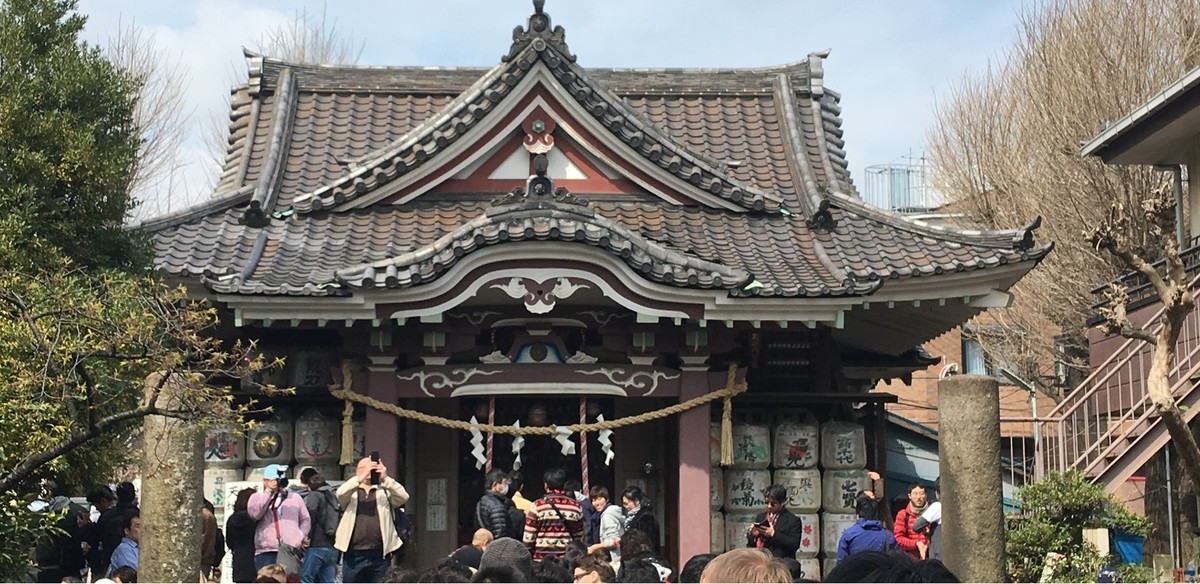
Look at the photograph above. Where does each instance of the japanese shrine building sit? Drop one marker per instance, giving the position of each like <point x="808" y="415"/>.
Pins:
<point x="506" y="241"/>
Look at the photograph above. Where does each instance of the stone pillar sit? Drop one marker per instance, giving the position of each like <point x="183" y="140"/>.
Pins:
<point x="972" y="495"/>
<point x="692" y="496"/>
<point x="172" y="475"/>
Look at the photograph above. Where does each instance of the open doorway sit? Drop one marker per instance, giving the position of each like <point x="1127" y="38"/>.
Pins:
<point x="539" y="454"/>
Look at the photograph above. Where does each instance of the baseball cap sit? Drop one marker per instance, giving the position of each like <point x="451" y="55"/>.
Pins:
<point x="275" y="471"/>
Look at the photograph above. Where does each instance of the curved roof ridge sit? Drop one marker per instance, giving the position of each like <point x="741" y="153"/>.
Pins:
<point x="797" y="66"/>
<point x="217" y="203"/>
<point x="520" y="218"/>
<point x="266" y="192"/>
<point x="470" y="107"/>
<point x="711" y="176"/>
<point x="786" y="100"/>
<point x="1019" y="238"/>
<point x="393" y="155"/>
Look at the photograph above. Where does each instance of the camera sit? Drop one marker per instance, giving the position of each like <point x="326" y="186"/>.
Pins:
<point x="283" y="483"/>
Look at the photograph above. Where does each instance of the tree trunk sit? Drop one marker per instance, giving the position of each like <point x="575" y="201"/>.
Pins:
<point x="1158" y="389"/>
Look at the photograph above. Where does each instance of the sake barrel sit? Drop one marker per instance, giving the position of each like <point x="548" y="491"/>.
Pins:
<point x="255" y="473"/>
<point x="810" y="569"/>
<point x="716" y="488"/>
<point x="843" y="445"/>
<point x="717" y="533"/>
<point x="827" y="565"/>
<point x="841" y="488"/>
<point x="224" y="448"/>
<point x="832" y="526"/>
<point x="318" y="439"/>
<point x="735" y="529"/>
<point x="796" y="444"/>
<point x="803" y="488"/>
<point x="214" y="483"/>
<point x="751" y="446"/>
<point x="270" y="442"/>
<point x="744" y="490"/>
<point x="810" y="535"/>
<point x="714" y="444"/>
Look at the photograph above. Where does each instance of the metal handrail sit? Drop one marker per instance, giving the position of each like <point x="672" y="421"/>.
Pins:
<point x="1149" y="416"/>
<point x="1106" y="370"/>
<point x="1142" y="417"/>
<point x="1057" y="450"/>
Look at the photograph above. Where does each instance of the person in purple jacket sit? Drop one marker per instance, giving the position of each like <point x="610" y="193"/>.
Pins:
<point x="282" y="521"/>
<point x="867" y="534"/>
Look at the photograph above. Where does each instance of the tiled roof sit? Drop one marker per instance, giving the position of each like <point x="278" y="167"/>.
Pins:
<point x="474" y="105"/>
<point x="302" y="254"/>
<point x="347" y="114"/>
<point x="305" y="139"/>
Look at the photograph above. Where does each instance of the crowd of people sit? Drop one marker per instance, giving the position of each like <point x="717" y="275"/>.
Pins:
<point x="277" y="534"/>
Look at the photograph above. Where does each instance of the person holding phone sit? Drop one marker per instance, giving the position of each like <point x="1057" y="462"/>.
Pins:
<point x="366" y="534"/>
<point x="776" y="530"/>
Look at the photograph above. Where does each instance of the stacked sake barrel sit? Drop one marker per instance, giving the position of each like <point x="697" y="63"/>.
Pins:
<point x="224" y="457"/>
<point x="312" y="440"/>
<point x="268" y="442"/>
<point x="844" y="476"/>
<point x="318" y="444"/>
<point x="822" y="466"/>
<point x="743" y="484"/>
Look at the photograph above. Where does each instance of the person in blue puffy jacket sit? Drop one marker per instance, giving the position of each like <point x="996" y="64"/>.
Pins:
<point x="867" y="534"/>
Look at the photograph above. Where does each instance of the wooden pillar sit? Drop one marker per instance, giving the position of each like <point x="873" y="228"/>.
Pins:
<point x="382" y="429"/>
<point x="693" y="519"/>
<point x="434" y="493"/>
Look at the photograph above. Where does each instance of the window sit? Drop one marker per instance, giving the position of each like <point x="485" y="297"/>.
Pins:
<point x="975" y="361"/>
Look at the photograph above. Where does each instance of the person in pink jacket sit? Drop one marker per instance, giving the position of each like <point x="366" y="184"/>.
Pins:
<point x="283" y="522"/>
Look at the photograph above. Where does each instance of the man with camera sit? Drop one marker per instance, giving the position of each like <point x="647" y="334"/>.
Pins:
<point x="366" y="535"/>
<point x="282" y="520"/>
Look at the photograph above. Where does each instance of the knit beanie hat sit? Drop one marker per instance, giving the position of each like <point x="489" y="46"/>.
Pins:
<point x="507" y="551"/>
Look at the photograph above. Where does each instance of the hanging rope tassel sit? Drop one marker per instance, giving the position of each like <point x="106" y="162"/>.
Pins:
<point x="727" y="420"/>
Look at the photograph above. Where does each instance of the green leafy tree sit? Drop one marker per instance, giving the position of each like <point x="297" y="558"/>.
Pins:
<point x="1054" y="513"/>
<point x="83" y="324"/>
<point x="68" y="142"/>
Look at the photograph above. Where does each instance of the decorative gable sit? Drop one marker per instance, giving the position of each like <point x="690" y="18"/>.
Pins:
<point x="538" y="73"/>
<point x="570" y="164"/>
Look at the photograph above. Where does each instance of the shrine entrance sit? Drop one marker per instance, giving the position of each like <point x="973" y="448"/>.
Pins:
<point x="538" y="454"/>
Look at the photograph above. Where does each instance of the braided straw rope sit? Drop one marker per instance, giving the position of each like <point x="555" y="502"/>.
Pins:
<point x="731" y="389"/>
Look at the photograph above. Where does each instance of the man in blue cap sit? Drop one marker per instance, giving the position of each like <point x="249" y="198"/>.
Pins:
<point x="283" y="522"/>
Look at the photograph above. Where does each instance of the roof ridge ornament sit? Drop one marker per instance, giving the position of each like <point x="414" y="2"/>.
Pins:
<point x="539" y="189"/>
<point x="539" y="33"/>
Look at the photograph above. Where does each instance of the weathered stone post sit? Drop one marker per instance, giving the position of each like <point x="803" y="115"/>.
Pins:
<point x="172" y="475"/>
<point x="972" y="495"/>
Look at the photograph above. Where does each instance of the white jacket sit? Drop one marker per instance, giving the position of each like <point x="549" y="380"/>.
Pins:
<point x="348" y="498"/>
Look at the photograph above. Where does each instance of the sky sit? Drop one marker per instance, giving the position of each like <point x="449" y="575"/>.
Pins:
<point x="890" y="60"/>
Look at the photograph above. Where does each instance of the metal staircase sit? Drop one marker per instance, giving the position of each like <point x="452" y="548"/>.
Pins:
<point x="1107" y="428"/>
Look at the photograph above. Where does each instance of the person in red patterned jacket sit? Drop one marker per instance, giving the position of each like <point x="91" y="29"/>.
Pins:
<point x="555" y="519"/>
<point x="914" y="543"/>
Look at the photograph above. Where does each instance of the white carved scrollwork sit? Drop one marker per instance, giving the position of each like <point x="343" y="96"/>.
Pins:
<point x="431" y="381"/>
<point x="643" y="380"/>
